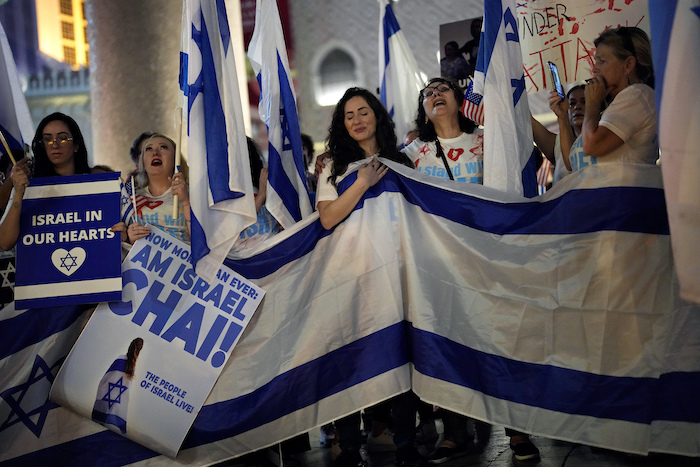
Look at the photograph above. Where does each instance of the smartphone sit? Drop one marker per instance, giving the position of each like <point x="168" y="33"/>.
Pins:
<point x="556" y="80"/>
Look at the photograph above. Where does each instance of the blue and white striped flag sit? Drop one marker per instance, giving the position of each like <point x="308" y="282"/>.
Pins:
<point x="515" y="312"/>
<point x="221" y="190"/>
<point x="509" y="161"/>
<point x="288" y="198"/>
<point x="675" y="37"/>
<point x="400" y="78"/>
<point x="15" y="119"/>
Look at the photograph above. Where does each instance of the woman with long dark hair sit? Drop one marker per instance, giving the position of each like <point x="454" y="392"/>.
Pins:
<point x="59" y="149"/>
<point x="361" y="131"/>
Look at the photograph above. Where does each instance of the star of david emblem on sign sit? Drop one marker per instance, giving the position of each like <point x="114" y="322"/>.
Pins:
<point x="29" y="401"/>
<point x="114" y="393"/>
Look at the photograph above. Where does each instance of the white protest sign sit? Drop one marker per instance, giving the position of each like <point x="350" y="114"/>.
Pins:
<point x="563" y="32"/>
<point x="144" y="366"/>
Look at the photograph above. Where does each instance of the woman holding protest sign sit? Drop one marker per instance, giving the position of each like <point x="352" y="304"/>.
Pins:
<point x="623" y="74"/>
<point x="157" y="184"/>
<point x="361" y="130"/>
<point x="59" y="149"/>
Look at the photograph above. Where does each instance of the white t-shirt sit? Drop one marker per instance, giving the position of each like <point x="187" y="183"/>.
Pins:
<point x="632" y="117"/>
<point x="158" y="211"/>
<point x="464" y="154"/>
<point x="326" y="191"/>
<point x="577" y="158"/>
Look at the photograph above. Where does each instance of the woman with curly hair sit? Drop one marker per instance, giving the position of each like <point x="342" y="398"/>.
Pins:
<point x="361" y="131"/>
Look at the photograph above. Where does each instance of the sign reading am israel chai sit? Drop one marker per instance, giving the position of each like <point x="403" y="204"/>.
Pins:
<point x="143" y="367"/>
<point x="66" y="253"/>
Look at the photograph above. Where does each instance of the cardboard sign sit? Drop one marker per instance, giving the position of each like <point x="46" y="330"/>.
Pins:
<point x="66" y="253"/>
<point x="144" y="367"/>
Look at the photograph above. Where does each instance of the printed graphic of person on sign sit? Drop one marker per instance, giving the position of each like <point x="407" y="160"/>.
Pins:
<point x="112" y="401"/>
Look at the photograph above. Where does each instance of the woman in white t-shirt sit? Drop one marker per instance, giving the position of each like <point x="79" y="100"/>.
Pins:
<point x="361" y="131"/>
<point x="624" y="75"/>
<point x="448" y="145"/>
<point x="157" y="185"/>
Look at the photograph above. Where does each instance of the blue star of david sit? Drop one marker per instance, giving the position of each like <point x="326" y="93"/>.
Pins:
<point x="65" y="263"/>
<point x="119" y="386"/>
<point x="36" y="387"/>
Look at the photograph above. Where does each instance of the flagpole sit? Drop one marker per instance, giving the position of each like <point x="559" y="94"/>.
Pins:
<point x="7" y="148"/>
<point x="178" y="159"/>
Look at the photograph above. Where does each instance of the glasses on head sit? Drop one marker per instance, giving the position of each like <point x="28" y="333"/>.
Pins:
<point x="61" y="138"/>
<point x="430" y="90"/>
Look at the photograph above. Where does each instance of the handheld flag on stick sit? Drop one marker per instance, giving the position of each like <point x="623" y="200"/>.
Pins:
<point x="509" y="162"/>
<point x="287" y="195"/>
<point x="221" y="196"/>
<point x="399" y="76"/>
<point x="16" y="125"/>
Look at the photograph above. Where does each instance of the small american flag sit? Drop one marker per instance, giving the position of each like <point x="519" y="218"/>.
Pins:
<point x="543" y="175"/>
<point x="473" y="106"/>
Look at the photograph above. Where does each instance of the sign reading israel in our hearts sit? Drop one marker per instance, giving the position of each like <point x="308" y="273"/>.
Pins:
<point x="66" y="252"/>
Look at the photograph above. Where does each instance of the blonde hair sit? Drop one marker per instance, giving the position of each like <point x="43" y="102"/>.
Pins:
<point x="631" y="42"/>
<point x="142" y="175"/>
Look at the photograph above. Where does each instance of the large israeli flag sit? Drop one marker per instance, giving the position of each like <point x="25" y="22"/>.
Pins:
<point x="509" y="162"/>
<point x="675" y="35"/>
<point x="287" y="195"/>
<point x="400" y="78"/>
<point x="509" y="310"/>
<point x="15" y="120"/>
<point x="221" y="191"/>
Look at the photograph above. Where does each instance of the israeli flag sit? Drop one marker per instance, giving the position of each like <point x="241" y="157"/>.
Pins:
<point x="509" y="162"/>
<point x="15" y="120"/>
<point x="221" y="191"/>
<point x="112" y="400"/>
<point x="287" y="195"/>
<point x="675" y="35"/>
<point x="399" y="76"/>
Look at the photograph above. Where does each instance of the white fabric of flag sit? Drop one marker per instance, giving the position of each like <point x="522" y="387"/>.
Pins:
<point x="400" y="79"/>
<point x="288" y="197"/>
<point x="221" y="190"/>
<point x="509" y="161"/>
<point x="483" y="302"/>
<point x="15" y="119"/>
<point x="675" y="36"/>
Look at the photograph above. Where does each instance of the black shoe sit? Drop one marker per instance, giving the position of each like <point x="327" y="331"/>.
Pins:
<point x="408" y="456"/>
<point x="349" y="458"/>
<point x="445" y="453"/>
<point x="525" y="451"/>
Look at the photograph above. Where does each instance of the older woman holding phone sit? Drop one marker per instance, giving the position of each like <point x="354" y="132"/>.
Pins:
<point x="623" y="75"/>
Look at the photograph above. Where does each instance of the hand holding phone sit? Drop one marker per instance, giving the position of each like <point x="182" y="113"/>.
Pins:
<point x="555" y="79"/>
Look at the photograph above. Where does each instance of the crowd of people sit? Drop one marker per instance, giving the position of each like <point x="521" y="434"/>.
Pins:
<point x="610" y="118"/>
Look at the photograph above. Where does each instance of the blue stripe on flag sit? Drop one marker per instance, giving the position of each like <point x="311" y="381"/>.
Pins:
<point x="661" y="16"/>
<point x="118" y="365"/>
<point x="35" y="325"/>
<point x="559" y="216"/>
<point x="199" y="248"/>
<point x="109" y="419"/>
<point x="291" y="140"/>
<point x="546" y="386"/>
<point x="493" y="11"/>
<point x="291" y="391"/>
<point x="553" y="217"/>
<point x="215" y="126"/>
<point x="223" y="25"/>
<point x="11" y="140"/>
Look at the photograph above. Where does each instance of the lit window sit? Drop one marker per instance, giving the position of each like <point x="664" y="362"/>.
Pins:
<point x="67" y="7"/>
<point x="69" y="55"/>
<point x="67" y="30"/>
<point x="336" y="73"/>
